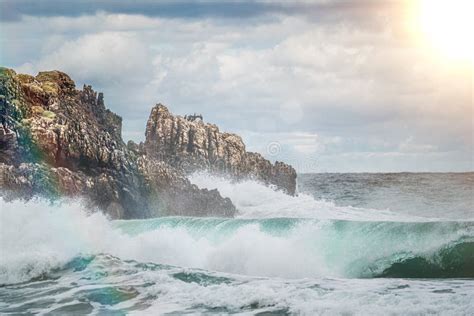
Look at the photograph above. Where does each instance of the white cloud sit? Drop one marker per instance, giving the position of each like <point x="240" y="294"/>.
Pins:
<point x="348" y="94"/>
<point x="105" y="58"/>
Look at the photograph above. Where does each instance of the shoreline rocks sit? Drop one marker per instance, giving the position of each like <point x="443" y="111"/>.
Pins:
<point x="192" y="145"/>
<point x="57" y="141"/>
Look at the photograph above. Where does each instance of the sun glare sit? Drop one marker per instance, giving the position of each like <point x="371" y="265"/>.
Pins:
<point x="447" y="25"/>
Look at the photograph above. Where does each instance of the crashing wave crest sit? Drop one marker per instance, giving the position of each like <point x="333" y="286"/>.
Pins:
<point x="256" y="200"/>
<point x="37" y="237"/>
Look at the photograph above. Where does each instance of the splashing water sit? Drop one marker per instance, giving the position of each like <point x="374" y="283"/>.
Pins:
<point x="281" y="254"/>
<point x="255" y="200"/>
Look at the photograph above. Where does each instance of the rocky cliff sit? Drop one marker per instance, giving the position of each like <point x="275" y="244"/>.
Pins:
<point x="58" y="141"/>
<point x="189" y="144"/>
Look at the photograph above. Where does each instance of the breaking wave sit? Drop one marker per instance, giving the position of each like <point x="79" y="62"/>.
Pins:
<point x="255" y="200"/>
<point x="281" y="255"/>
<point x="37" y="237"/>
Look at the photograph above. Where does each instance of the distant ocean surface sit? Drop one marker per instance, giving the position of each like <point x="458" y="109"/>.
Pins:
<point x="443" y="195"/>
<point x="348" y="244"/>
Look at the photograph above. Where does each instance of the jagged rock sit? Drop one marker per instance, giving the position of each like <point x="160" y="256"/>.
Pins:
<point x="191" y="145"/>
<point x="57" y="141"/>
<point x="8" y="145"/>
<point x="180" y="196"/>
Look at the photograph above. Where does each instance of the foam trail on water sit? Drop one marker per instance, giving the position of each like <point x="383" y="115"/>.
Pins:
<point x="256" y="200"/>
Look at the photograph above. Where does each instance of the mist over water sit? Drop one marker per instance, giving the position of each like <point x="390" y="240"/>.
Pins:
<point x="282" y="254"/>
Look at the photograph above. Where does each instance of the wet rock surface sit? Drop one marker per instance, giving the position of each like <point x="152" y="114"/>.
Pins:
<point x="58" y="141"/>
<point x="191" y="145"/>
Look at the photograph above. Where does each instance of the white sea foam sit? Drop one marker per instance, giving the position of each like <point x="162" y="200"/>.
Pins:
<point x="283" y="253"/>
<point x="322" y="297"/>
<point x="37" y="237"/>
<point x="256" y="200"/>
<point x="164" y="290"/>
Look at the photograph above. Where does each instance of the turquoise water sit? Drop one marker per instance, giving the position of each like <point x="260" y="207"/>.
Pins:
<point x="351" y="249"/>
<point x="282" y="255"/>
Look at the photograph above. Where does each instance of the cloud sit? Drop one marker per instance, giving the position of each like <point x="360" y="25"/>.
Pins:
<point x="241" y="9"/>
<point x="334" y="94"/>
<point x="118" y="63"/>
<point x="102" y="58"/>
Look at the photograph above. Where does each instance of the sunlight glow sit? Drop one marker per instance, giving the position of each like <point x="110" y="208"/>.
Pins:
<point x="447" y="25"/>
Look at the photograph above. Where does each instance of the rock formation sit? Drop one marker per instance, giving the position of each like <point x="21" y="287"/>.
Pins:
<point x="192" y="145"/>
<point x="58" y="141"/>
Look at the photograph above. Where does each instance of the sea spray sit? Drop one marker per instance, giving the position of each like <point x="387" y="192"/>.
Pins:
<point x="39" y="237"/>
<point x="281" y="255"/>
<point x="253" y="199"/>
<point x="295" y="248"/>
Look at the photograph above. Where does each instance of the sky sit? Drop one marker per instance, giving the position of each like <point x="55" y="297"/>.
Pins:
<point x="328" y="86"/>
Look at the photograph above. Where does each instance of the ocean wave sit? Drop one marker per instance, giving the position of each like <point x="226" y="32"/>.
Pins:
<point x="256" y="200"/>
<point x="38" y="237"/>
<point x="298" y="248"/>
<point x="104" y="284"/>
<point x="455" y="260"/>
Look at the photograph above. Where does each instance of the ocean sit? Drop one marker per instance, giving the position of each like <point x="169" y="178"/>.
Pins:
<point x="348" y="244"/>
